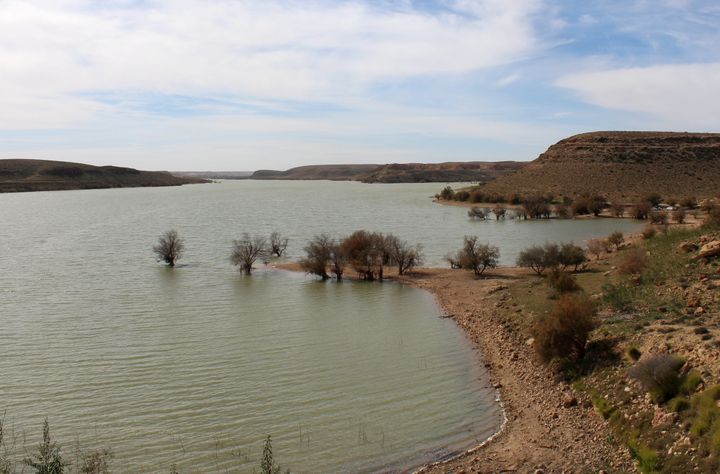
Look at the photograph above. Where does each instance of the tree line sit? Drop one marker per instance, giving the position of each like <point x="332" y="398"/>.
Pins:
<point x="545" y="206"/>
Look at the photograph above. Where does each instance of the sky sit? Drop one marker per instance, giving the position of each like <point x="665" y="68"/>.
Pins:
<point x="269" y="84"/>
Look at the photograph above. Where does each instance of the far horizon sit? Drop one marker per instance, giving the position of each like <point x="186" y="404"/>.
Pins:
<point x="275" y="85"/>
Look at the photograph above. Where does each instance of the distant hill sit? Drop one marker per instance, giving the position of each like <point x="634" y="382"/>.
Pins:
<point x="623" y="166"/>
<point x="214" y="174"/>
<point x="41" y="175"/>
<point x="330" y="172"/>
<point x="477" y="171"/>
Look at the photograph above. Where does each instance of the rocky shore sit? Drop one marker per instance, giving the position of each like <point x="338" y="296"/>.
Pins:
<point x="550" y="427"/>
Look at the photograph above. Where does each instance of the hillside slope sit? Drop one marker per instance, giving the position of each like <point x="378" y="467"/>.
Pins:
<point x="330" y="172"/>
<point x="621" y="166"/>
<point x="478" y="171"/>
<point x="442" y="172"/>
<point x="42" y="175"/>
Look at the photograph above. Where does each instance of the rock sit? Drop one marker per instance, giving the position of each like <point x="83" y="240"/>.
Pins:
<point x="709" y="250"/>
<point x="530" y="341"/>
<point x="688" y="246"/>
<point x="693" y="303"/>
<point x="569" y="400"/>
<point x="699" y="310"/>
<point x="497" y="385"/>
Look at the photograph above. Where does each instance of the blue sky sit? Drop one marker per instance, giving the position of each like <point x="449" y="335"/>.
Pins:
<point x="250" y="84"/>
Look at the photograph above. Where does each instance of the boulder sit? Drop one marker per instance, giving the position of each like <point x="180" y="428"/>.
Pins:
<point x="689" y="246"/>
<point x="709" y="250"/>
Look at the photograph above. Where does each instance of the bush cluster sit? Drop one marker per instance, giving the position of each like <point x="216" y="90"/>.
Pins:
<point x="564" y="331"/>
<point x="552" y="256"/>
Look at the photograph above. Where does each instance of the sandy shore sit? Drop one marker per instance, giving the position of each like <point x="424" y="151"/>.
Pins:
<point x="549" y="426"/>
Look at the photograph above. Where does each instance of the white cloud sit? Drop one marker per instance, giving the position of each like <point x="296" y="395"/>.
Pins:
<point x="54" y="52"/>
<point x="507" y="80"/>
<point x="673" y="96"/>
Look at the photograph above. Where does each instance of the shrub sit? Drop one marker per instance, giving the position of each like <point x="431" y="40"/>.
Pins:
<point x="659" y="217"/>
<point x="571" y="255"/>
<point x="447" y="193"/>
<point x="499" y="212"/>
<point x="633" y="262"/>
<point x="679" y="404"/>
<point x="317" y="256"/>
<point x="641" y="211"/>
<point x="278" y="244"/>
<point x="539" y="258"/>
<point x="648" y="232"/>
<point x="647" y="458"/>
<point x="679" y="215"/>
<point x="246" y="251"/>
<point x="633" y="353"/>
<point x="618" y="210"/>
<point x="562" y="211"/>
<point x="620" y="296"/>
<point x="659" y="375"/>
<point x="367" y="252"/>
<point x="47" y="458"/>
<point x="598" y="247"/>
<point x="267" y="462"/>
<point x="587" y="204"/>
<point x="604" y="408"/>
<point x="561" y="282"/>
<point x="536" y="208"/>
<point x="690" y="382"/>
<point x="476" y="213"/>
<point x="713" y="217"/>
<point x="689" y="202"/>
<point x="476" y="196"/>
<point x="477" y="257"/>
<point x="462" y="196"/>
<point x="616" y="239"/>
<point x="169" y="248"/>
<point x="403" y="254"/>
<point x="96" y="462"/>
<point x="654" y="199"/>
<point x="706" y="420"/>
<point x="563" y="333"/>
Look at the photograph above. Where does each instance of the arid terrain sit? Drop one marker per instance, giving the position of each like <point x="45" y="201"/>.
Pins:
<point x="472" y="171"/>
<point x="621" y="166"/>
<point x="42" y="175"/>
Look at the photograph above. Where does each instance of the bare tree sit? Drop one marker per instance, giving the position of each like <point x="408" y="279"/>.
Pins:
<point x="246" y="251"/>
<point x="169" y="248"/>
<point x="318" y="256"/>
<point x="499" y="212"/>
<point x="618" y="209"/>
<point x="476" y="213"/>
<point x="403" y="254"/>
<point x="278" y="244"/>
<point x="616" y="239"/>
<point x="597" y="247"/>
<point x="476" y="256"/>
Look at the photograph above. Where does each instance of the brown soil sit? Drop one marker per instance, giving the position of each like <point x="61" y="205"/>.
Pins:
<point x="540" y="432"/>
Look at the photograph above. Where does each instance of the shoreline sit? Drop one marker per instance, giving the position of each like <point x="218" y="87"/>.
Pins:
<point x="537" y="428"/>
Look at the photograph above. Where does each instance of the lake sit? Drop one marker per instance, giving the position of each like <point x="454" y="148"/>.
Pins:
<point x="194" y="366"/>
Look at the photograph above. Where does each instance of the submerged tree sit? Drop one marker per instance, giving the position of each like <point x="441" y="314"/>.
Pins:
<point x="318" y="256"/>
<point x="169" y="248"/>
<point x="47" y="460"/>
<point x="278" y="244"/>
<point x="246" y="251"/>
